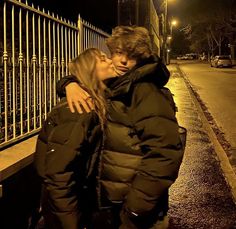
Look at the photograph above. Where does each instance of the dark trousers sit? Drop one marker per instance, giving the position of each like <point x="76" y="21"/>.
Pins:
<point x="117" y="218"/>
<point x="108" y="218"/>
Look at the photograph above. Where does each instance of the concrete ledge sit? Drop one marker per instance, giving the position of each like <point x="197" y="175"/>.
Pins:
<point x="16" y="157"/>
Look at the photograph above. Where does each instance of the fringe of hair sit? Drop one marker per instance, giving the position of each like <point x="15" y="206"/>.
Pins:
<point x="134" y="40"/>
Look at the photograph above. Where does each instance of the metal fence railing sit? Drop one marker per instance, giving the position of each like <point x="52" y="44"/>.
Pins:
<point x="35" y="49"/>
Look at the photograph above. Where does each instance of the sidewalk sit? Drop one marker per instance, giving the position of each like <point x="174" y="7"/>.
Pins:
<point x="201" y="197"/>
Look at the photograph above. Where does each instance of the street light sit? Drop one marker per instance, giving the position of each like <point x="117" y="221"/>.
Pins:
<point x="173" y="23"/>
<point x="165" y="30"/>
<point x="169" y="37"/>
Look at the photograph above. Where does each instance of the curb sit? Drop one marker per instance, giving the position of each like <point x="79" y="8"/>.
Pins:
<point x="225" y="165"/>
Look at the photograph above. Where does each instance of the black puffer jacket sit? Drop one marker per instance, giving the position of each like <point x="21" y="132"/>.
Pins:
<point x="142" y="152"/>
<point x="66" y="151"/>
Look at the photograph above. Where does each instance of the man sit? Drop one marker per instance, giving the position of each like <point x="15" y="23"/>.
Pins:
<point x="142" y="151"/>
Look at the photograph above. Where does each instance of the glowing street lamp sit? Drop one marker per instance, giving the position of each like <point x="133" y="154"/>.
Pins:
<point x="169" y="38"/>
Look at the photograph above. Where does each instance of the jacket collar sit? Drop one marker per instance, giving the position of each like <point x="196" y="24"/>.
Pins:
<point x="150" y="70"/>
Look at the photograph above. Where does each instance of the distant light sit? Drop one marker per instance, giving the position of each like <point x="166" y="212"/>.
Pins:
<point x="174" y="22"/>
<point x="169" y="37"/>
<point x="168" y="50"/>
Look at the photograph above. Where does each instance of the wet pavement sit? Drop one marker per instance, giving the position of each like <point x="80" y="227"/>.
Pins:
<point x="200" y="197"/>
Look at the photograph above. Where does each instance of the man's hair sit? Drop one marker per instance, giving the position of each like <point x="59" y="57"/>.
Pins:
<point x="134" y="40"/>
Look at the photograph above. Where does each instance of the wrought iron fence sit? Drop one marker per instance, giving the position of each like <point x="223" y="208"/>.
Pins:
<point x="35" y="49"/>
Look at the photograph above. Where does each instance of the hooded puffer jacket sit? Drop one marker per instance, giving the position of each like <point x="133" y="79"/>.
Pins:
<point x="66" y="152"/>
<point x="142" y="149"/>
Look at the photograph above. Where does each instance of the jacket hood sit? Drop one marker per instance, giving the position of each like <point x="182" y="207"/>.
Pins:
<point x="150" y="70"/>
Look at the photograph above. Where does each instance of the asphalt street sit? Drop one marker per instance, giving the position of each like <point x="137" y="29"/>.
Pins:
<point x="216" y="88"/>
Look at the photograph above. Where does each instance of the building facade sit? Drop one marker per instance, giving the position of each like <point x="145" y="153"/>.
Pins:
<point x="142" y="13"/>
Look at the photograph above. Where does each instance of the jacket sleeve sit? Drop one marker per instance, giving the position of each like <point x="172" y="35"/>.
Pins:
<point x="63" y="172"/>
<point x="156" y="126"/>
<point x="62" y="83"/>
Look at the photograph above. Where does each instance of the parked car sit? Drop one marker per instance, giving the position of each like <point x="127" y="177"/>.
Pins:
<point x="191" y="56"/>
<point x="221" y="61"/>
<point x="188" y="56"/>
<point x="184" y="57"/>
<point x="180" y="57"/>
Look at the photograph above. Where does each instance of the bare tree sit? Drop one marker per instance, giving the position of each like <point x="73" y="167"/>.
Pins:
<point x="214" y="26"/>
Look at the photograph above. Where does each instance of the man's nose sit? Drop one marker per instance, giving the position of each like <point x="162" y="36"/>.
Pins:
<point x="124" y="60"/>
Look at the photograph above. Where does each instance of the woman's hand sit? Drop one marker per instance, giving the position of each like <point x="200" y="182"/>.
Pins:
<point x="78" y="98"/>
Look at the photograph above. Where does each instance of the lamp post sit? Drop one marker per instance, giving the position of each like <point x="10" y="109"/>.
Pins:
<point x="168" y="49"/>
<point x="165" y="37"/>
<point x="164" y="54"/>
<point x="169" y="40"/>
<point x="173" y="23"/>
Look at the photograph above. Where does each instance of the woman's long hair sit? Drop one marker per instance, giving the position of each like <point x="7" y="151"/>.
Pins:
<point x="83" y="67"/>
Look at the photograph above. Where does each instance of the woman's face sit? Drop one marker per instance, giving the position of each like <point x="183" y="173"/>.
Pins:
<point x="104" y="67"/>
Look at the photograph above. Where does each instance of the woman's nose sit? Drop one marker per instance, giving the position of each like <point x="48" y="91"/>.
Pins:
<point x="109" y="60"/>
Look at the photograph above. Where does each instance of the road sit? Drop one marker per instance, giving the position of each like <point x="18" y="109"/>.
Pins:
<point x="217" y="89"/>
<point x="200" y="198"/>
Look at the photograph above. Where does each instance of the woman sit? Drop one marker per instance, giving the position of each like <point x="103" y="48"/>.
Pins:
<point x="68" y="146"/>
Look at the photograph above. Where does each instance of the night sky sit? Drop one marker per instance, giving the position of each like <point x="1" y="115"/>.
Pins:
<point x="103" y="13"/>
<point x="100" y="13"/>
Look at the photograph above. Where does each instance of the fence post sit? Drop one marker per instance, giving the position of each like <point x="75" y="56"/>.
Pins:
<point x="80" y="35"/>
<point x="5" y="58"/>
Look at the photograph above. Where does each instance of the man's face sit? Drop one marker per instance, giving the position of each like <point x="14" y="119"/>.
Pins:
<point x="122" y="62"/>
